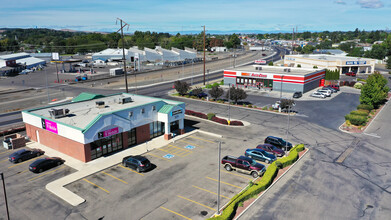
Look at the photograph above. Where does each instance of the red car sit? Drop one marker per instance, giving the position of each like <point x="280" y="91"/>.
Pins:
<point x="271" y="149"/>
<point x="351" y="74"/>
<point x="336" y="87"/>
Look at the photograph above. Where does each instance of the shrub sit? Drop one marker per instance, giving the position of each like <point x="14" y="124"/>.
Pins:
<point x="222" y="82"/>
<point x="203" y="98"/>
<point x="299" y="65"/>
<point x="236" y="123"/>
<point x="352" y="83"/>
<point x="278" y="164"/>
<point x="249" y="105"/>
<point x="270" y="108"/>
<point x="194" y="97"/>
<point x="347" y="122"/>
<point x="358" y="85"/>
<point x="264" y="108"/>
<point x="362" y="80"/>
<point x="187" y="96"/>
<point x="220" y="101"/>
<point x="215" y="84"/>
<point x="315" y="67"/>
<point x="360" y="112"/>
<point x="356" y="119"/>
<point x="220" y="120"/>
<point x="365" y="107"/>
<point x="208" y="86"/>
<point x="211" y="115"/>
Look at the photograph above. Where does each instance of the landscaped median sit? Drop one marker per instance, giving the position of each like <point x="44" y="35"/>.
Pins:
<point x="254" y="189"/>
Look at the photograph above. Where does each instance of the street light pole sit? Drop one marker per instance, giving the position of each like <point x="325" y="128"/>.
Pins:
<point x="204" y="54"/>
<point x="282" y="79"/>
<point x="5" y="194"/>
<point x="218" y="186"/>
<point x="229" y="104"/>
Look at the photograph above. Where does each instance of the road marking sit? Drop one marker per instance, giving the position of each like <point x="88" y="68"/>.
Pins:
<point x="235" y="174"/>
<point x="180" y="154"/>
<point x="202" y="139"/>
<point x="187" y="142"/>
<point x="108" y="174"/>
<point x="96" y="185"/>
<point x="209" y="191"/>
<point x="348" y="151"/>
<point x="196" y="203"/>
<point x="190" y="147"/>
<point x="181" y="149"/>
<point x="3" y="160"/>
<point x="176" y="213"/>
<point x="24" y="162"/>
<point x="168" y="156"/>
<point x="4" y="152"/>
<point x="130" y="170"/>
<point x="229" y="184"/>
<point x="153" y="155"/>
<point x="372" y="135"/>
<point x="46" y="173"/>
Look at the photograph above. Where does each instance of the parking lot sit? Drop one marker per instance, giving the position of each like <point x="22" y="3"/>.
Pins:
<point x="182" y="183"/>
<point x="26" y="190"/>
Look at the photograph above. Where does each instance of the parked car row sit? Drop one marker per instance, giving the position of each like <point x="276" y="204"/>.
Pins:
<point x="267" y="152"/>
<point x="351" y="73"/>
<point x="38" y="165"/>
<point x="325" y="91"/>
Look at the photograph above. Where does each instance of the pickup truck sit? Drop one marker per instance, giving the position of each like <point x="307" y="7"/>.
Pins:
<point x="243" y="164"/>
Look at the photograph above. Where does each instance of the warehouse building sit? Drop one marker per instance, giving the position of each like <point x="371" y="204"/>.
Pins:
<point x="343" y="64"/>
<point x="94" y="125"/>
<point x="274" y="78"/>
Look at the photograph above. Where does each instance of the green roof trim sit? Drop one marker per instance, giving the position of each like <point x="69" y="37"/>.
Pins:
<point x="84" y="96"/>
<point x="166" y="109"/>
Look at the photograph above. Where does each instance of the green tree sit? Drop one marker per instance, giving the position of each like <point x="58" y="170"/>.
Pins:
<point x="307" y="49"/>
<point x="197" y="91"/>
<point x="236" y="94"/>
<point x="270" y="63"/>
<point x="181" y="87"/>
<point x="388" y="64"/>
<point x="216" y="92"/>
<point x="374" y="92"/>
<point x="378" y="51"/>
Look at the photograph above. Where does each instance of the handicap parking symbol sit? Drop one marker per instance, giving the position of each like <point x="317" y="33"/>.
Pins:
<point x="190" y="147"/>
<point x="168" y="156"/>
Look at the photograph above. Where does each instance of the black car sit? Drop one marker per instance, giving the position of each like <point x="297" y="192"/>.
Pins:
<point x="25" y="154"/>
<point x="138" y="163"/>
<point x="41" y="165"/>
<point x="297" y="95"/>
<point x="278" y="142"/>
<point x="201" y="95"/>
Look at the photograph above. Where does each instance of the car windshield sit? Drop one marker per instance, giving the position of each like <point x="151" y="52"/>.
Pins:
<point x="252" y="162"/>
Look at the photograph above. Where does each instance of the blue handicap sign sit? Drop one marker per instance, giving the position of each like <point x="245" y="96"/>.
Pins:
<point x="190" y="147"/>
<point x="168" y="156"/>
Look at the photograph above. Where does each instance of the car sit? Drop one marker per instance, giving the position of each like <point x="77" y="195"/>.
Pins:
<point x="25" y="154"/>
<point x="297" y="95"/>
<point x="263" y="54"/>
<point x="243" y="164"/>
<point x="336" y="87"/>
<point x="326" y="92"/>
<point x="351" y="74"/>
<point x="318" y="95"/>
<point x="259" y="154"/>
<point x="330" y="88"/>
<point x="276" y="105"/>
<point x="278" y="142"/>
<point x="271" y="149"/>
<point x="40" y="165"/>
<point x="201" y="95"/>
<point x="137" y="163"/>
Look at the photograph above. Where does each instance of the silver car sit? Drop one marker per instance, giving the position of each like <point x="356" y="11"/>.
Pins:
<point x="325" y="92"/>
<point x="318" y="95"/>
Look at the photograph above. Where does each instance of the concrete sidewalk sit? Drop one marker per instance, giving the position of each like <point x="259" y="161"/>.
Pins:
<point x="86" y="169"/>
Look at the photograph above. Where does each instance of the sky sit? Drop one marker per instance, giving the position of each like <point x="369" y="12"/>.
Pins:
<point x="187" y="16"/>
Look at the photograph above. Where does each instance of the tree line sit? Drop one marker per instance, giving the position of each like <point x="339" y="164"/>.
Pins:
<point x="48" y="40"/>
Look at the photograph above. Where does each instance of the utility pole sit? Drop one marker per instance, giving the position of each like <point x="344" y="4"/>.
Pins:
<point x="123" y="49"/>
<point x="293" y="36"/>
<point x="218" y="186"/>
<point x="204" y="53"/>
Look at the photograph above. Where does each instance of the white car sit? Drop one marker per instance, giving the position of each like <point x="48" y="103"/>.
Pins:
<point x="325" y="92"/>
<point x="318" y="95"/>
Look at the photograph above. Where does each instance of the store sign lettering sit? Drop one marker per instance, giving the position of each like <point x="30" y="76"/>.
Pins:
<point x="176" y="112"/>
<point x="259" y="75"/>
<point x="49" y="126"/>
<point x="109" y="132"/>
<point x="355" y="62"/>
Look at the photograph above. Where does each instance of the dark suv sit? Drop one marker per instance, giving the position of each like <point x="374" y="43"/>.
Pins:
<point x="278" y="142"/>
<point x="138" y="163"/>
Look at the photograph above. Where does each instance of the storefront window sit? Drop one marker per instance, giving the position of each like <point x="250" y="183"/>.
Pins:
<point x="105" y="146"/>
<point x="132" y="137"/>
<point x="156" y="129"/>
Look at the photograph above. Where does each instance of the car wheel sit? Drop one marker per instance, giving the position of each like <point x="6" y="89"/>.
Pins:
<point x="228" y="167"/>
<point x="58" y="163"/>
<point x="38" y="154"/>
<point x="254" y="174"/>
<point x="19" y="160"/>
<point x="124" y="164"/>
<point x="40" y="170"/>
<point x="267" y="161"/>
<point x="138" y="170"/>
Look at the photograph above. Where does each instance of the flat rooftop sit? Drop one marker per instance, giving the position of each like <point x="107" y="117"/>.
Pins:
<point x="329" y="57"/>
<point x="275" y="70"/>
<point x="82" y="113"/>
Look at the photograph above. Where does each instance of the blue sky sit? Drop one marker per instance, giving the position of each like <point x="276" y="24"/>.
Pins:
<point x="189" y="16"/>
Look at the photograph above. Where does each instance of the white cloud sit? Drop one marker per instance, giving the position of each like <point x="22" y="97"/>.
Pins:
<point x="370" y="3"/>
<point x="340" y="2"/>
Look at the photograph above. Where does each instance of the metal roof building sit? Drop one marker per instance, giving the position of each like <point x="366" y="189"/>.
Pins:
<point x="31" y="62"/>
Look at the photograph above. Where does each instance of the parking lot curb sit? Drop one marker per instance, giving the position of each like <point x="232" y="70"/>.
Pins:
<point x="275" y="182"/>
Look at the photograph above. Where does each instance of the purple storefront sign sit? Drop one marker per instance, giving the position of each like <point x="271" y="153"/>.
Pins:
<point x="51" y="126"/>
<point x="110" y="132"/>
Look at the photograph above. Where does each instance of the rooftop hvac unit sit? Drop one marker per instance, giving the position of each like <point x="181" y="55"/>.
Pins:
<point x="289" y="70"/>
<point x="58" y="113"/>
<point x="100" y="104"/>
<point x="124" y="100"/>
<point x="258" y="68"/>
<point x="285" y="70"/>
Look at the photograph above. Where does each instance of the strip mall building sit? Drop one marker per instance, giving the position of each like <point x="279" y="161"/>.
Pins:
<point x="92" y="126"/>
<point x="285" y="79"/>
